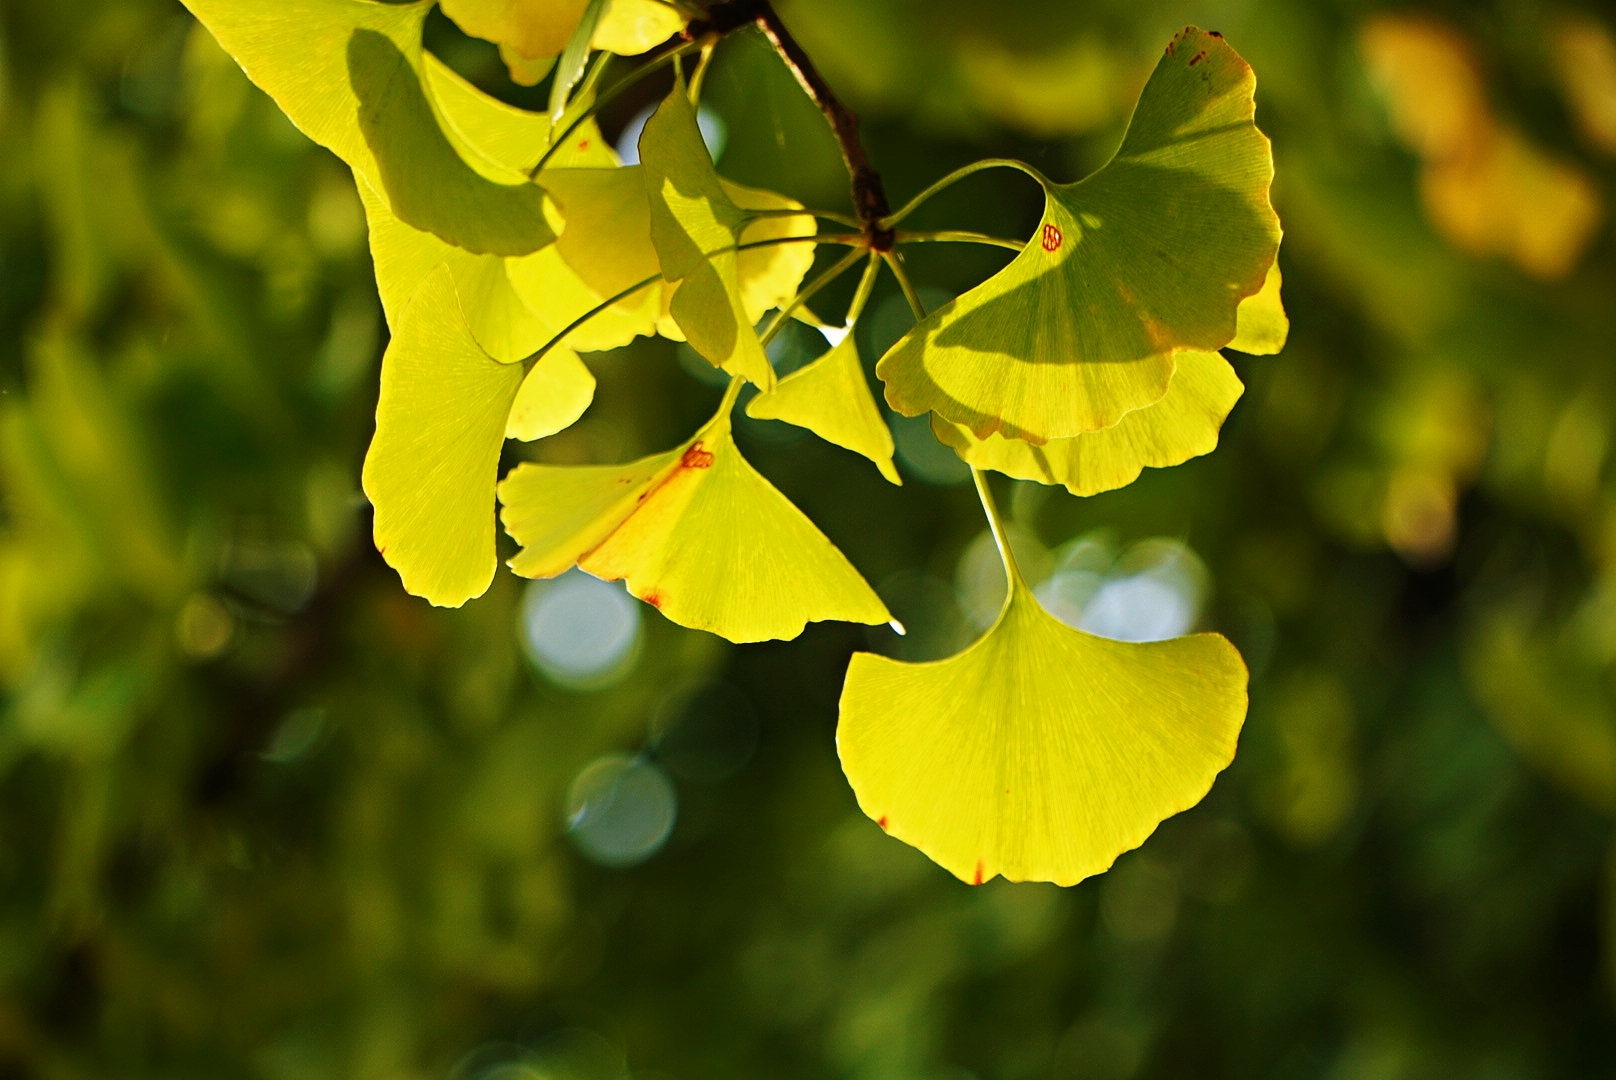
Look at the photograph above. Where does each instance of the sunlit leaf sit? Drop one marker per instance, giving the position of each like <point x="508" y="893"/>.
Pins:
<point x="433" y="463"/>
<point x="428" y="184"/>
<point x="695" y="532"/>
<point x="501" y="141"/>
<point x="539" y="29"/>
<point x="1041" y="752"/>
<point x="695" y="226"/>
<point x="831" y="398"/>
<point x="555" y="394"/>
<point x="1152" y="253"/>
<point x="1262" y="323"/>
<point x="297" y="52"/>
<point x="499" y="312"/>
<point x="1182" y="425"/>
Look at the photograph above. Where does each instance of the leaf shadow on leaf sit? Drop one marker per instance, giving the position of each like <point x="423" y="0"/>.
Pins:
<point x="427" y="183"/>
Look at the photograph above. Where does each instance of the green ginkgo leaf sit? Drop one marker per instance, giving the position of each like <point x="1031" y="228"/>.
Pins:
<point x="695" y="226"/>
<point x="696" y="532"/>
<point x="1152" y="254"/>
<point x="296" y="51"/>
<point x="428" y="184"/>
<point x="1041" y="752"/>
<point x="1182" y="425"/>
<point x="831" y="398"/>
<point x="434" y="460"/>
<point x="1262" y="325"/>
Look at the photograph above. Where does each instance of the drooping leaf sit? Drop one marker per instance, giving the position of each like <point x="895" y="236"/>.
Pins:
<point x="1041" y="752"/>
<point x="1151" y="254"/>
<point x="1262" y="325"/>
<point x="428" y="184"/>
<point x="433" y="463"/>
<point x="696" y="532"/>
<point x="296" y="51"/>
<point x="831" y="398"/>
<point x="1182" y="425"/>
<point x="695" y="227"/>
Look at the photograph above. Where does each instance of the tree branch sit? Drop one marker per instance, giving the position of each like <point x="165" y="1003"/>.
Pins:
<point x="869" y="194"/>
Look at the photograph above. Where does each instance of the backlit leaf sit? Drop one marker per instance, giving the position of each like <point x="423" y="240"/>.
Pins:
<point x="831" y="398"/>
<point x="428" y="184"/>
<point x="1262" y="325"/>
<point x="1041" y="752"/>
<point x="696" y="532"/>
<point x="694" y="226"/>
<point x="540" y="29"/>
<point x="501" y="141"/>
<point x="1151" y="254"/>
<point x="433" y="463"/>
<point x="1182" y="425"/>
<point x="555" y="394"/>
<point x="491" y="288"/>
<point x="296" y="51"/>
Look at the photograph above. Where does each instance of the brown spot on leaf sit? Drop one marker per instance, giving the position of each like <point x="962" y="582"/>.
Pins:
<point x="882" y="822"/>
<point x="978" y="880"/>
<point x="1214" y="33"/>
<point x="1052" y="237"/>
<point x="1197" y="58"/>
<point x="654" y="598"/>
<point x="696" y="458"/>
<point x="583" y="144"/>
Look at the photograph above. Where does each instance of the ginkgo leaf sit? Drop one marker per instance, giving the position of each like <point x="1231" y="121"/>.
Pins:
<point x="1151" y="254"/>
<point x="1261" y="320"/>
<point x="631" y="27"/>
<point x="555" y="393"/>
<point x="503" y="142"/>
<point x="433" y="463"/>
<point x="494" y="291"/>
<point x="505" y="327"/>
<point x="1041" y="752"/>
<point x="428" y="184"/>
<point x="696" y="532"/>
<point x="831" y="398"/>
<point x="1182" y="425"/>
<point x="695" y="226"/>
<point x="769" y="276"/>
<point x="296" y="51"/>
<point x="540" y="29"/>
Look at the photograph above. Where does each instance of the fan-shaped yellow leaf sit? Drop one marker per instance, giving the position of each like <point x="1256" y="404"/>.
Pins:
<point x="1182" y="425"/>
<point x="696" y="532"/>
<point x="631" y="27"/>
<point x="695" y="227"/>
<point x="433" y="463"/>
<point x="296" y="51"/>
<point x="555" y="393"/>
<point x="1041" y="752"/>
<point x="831" y="398"/>
<point x="1151" y="254"/>
<point x="428" y="184"/>
<point x="1261" y="320"/>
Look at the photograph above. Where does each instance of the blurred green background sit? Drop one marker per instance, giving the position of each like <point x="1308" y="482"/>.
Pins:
<point x="264" y="815"/>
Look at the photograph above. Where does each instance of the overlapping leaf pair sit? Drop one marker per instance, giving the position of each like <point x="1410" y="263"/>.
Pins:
<point x="1040" y="752"/>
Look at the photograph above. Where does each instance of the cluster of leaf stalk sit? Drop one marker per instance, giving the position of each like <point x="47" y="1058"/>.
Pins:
<point x="1040" y="752"/>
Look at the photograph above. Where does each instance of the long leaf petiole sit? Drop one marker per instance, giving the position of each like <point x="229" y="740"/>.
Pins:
<point x="955" y="177"/>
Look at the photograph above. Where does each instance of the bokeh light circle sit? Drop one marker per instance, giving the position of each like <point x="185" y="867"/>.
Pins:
<point x="620" y="810"/>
